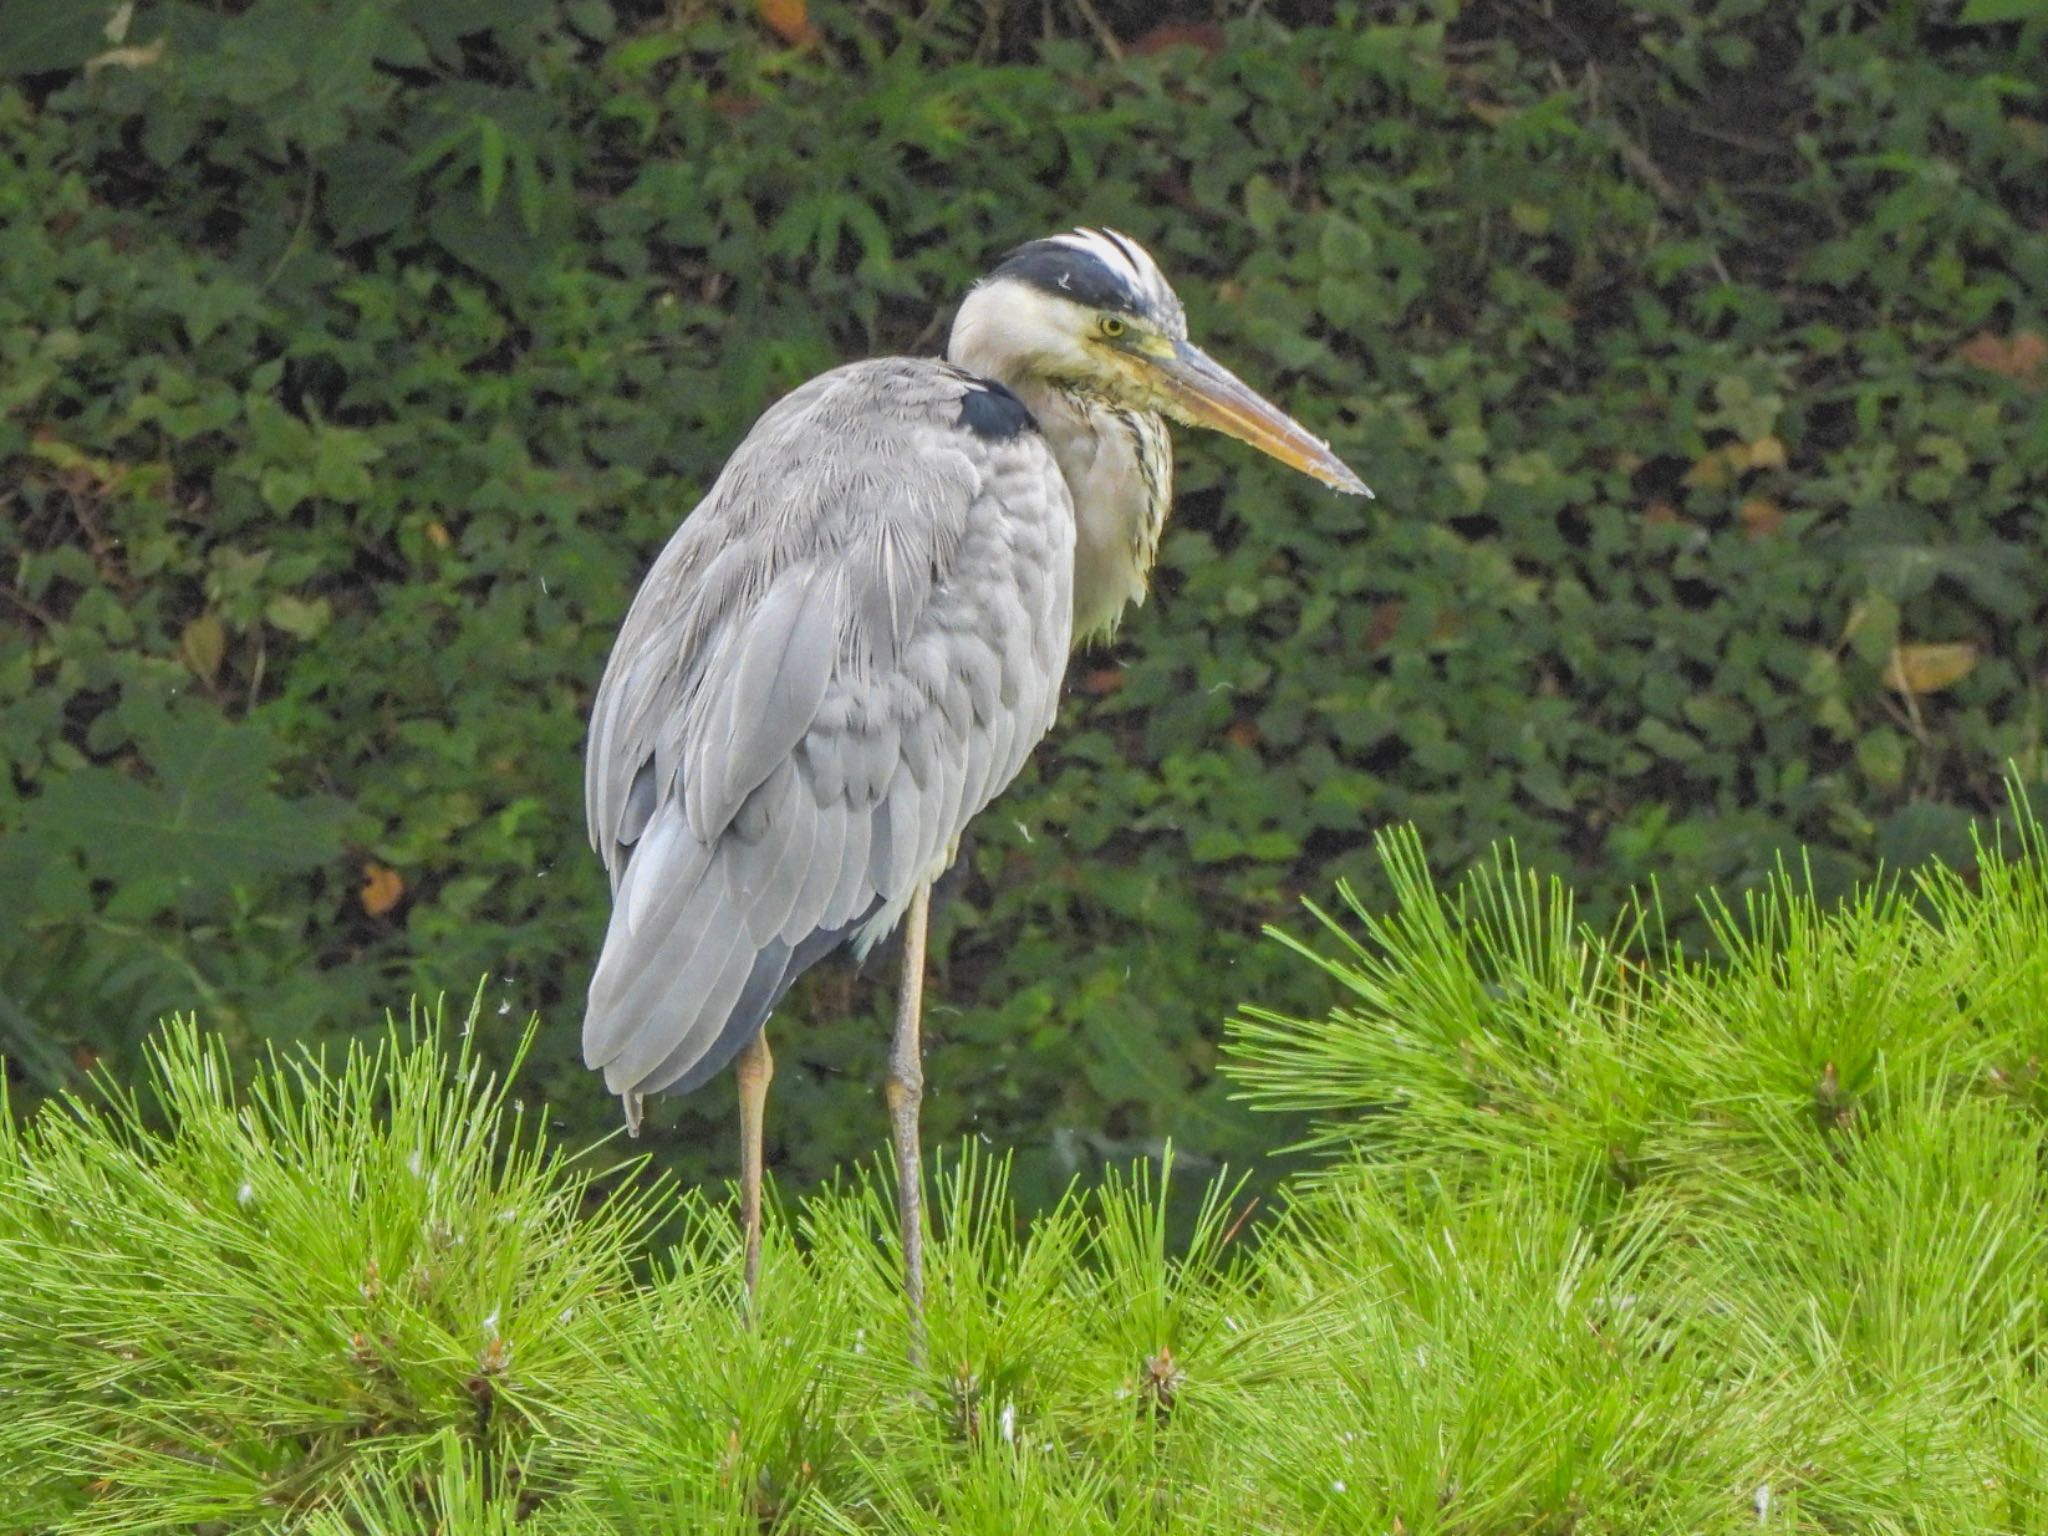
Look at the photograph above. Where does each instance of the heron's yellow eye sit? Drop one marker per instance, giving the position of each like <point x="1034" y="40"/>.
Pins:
<point x="1112" y="327"/>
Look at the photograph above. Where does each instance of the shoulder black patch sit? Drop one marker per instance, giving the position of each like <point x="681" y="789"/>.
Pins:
<point x="991" y="411"/>
<point x="1072" y="274"/>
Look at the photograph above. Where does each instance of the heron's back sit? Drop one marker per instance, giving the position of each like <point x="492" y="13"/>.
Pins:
<point x="842" y="655"/>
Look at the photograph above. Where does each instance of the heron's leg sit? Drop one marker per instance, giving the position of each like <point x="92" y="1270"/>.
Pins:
<point x="905" y="1088"/>
<point x="754" y="1067"/>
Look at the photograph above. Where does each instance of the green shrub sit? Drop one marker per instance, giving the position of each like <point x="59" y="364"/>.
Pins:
<point x="354" y="359"/>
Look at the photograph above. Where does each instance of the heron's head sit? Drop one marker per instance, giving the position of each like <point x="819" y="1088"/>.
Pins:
<point x="1091" y="313"/>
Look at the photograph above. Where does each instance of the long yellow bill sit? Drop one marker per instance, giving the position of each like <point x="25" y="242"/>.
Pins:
<point x="1204" y="393"/>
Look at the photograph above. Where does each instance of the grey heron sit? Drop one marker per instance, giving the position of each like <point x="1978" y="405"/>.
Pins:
<point x="852" y="645"/>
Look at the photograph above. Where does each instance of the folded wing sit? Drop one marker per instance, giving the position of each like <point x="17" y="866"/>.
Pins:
<point x="845" y="652"/>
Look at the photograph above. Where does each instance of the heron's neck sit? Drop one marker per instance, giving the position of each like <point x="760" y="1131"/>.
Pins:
<point x="1118" y="466"/>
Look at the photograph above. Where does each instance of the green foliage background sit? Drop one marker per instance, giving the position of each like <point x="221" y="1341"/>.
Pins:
<point x="356" y="357"/>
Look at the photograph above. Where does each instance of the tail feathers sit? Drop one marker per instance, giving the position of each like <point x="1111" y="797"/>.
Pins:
<point x="702" y="1040"/>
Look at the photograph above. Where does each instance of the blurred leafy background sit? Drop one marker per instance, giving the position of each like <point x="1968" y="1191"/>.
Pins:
<point x="356" y="356"/>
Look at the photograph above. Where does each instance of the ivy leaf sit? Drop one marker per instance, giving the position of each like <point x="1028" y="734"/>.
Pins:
<point x="203" y="644"/>
<point x="1922" y="831"/>
<point x="593" y="18"/>
<point x="41" y="35"/>
<point x="203" y="820"/>
<point x="341" y="460"/>
<point x="1930" y="668"/>
<point x="1985" y="13"/>
<point x="339" y="81"/>
<point x="366" y="190"/>
<point x="490" y="161"/>
<point x="300" y="617"/>
<point x="1881" y="754"/>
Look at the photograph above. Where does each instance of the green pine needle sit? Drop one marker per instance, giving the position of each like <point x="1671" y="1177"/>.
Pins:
<point x="1607" y="1239"/>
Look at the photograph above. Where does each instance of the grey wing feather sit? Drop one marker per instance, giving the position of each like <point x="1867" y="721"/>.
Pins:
<point x="840" y="658"/>
<point x="768" y="685"/>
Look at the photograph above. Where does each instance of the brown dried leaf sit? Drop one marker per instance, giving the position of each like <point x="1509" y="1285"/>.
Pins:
<point x="1930" y="668"/>
<point x="1710" y="471"/>
<point x="789" y="20"/>
<point x="1760" y="517"/>
<point x="2026" y="353"/>
<point x="2017" y="357"/>
<point x="1385" y="623"/>
<point x="1206" y="37"/>
<point x="1985" y="351"/>
<point x="1767" y="452"/>
<point x="1103" y="680"/>
<point x="383" y="887"/>
<point x="1660" y="512"/>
